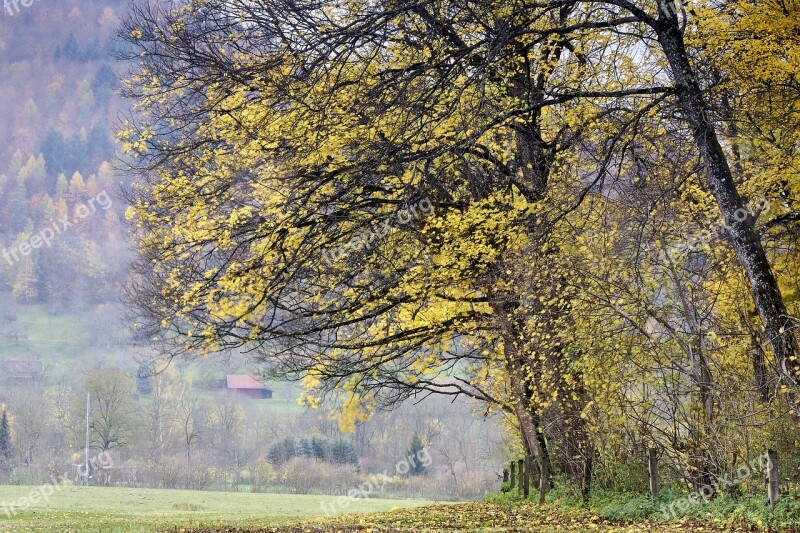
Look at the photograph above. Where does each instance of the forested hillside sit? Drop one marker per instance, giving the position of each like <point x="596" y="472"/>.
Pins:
<point x="57" y="84"/>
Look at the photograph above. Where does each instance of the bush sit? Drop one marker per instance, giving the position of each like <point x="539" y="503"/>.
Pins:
<point x="624" y="478"/>
<point x="262" y="475"/>
<point x="503" y="498"/>
<point x="21" y="476"/>
<point x="309" y="476"/>
<point x="628" y="507"/>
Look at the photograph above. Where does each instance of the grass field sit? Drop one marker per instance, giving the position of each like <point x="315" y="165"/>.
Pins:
<point x="99" y="509"/>
<point x="61" y="341"/>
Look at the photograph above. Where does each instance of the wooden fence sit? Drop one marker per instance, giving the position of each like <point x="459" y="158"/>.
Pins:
<point x="523" y="473"/>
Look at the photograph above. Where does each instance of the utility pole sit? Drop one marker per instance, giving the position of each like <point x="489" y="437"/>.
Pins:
<point x="86" y="472"/>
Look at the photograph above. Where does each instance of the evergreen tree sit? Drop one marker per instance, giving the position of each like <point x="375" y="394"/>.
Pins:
<point x="320" y="448"/>
<point x="16" y="163"/>
<point x="343" y="452"/>
<point x="5" y="440"/>
<point x="3" y="183"/>
<point x="56" y="154"/>
<point x="47" y="209"/>
<point x="70" y="51"/>
<point x="77" y="189"/>
<point x="282" y="451"/>
<point x="19" y="208"/>
<point x="303" y="448"/>
<point x="32" y="173"/>
<point x="143" y="375"/>
<point x="62" y="186"/>
<point x="415" y="452"/>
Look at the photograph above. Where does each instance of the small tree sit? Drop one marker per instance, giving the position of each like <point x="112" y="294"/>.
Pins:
<point x="303" y="448"/>
<point x="320" y="448"/>
<point x="415" y="452"/>
<point x="143" y="375"/>
<point x="343" y="452"/>
<point x="5" y="441"/>
<point x="282" y="451"/>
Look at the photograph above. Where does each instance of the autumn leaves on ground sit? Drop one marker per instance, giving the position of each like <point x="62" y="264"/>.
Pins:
<point x="478" y="517"/>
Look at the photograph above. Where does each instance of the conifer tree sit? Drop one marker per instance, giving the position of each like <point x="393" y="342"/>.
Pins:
<point x="415" y="452"/>
<point x="5" y="441"/>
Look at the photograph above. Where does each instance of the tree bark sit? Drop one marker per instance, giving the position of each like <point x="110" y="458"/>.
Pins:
<point x="773" y="486"/>
<point x="544" y="481"/>
<point x="739" y="222"/>
<point x="652" y="469"/>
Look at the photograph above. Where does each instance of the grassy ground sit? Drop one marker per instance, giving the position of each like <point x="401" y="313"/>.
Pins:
<point x="99" y="509"/>
<point x="105" y="510"/>
<point x="50" y="337"/>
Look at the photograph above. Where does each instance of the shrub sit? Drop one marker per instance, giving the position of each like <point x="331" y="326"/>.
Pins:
<point x="309" y="476"/>
<point x="262" y="475"/>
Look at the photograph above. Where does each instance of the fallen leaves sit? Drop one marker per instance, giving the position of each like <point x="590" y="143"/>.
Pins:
<point x="476" y="517"/>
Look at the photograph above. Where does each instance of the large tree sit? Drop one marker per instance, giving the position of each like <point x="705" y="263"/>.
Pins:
<point x="385" y="197"/>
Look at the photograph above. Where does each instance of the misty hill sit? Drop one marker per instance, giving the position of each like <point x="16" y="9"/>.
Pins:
<point x="62" y="243"/>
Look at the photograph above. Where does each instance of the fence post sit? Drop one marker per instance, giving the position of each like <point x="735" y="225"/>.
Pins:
<point x="772" y="468"/>
<point x="588" y="466"/>
<point x="513" y="481"/>
<point x="652" y="469"/>
<point x="543" y="484"/>
<point x="521" y="472"/>
<point x="528" y="474"/>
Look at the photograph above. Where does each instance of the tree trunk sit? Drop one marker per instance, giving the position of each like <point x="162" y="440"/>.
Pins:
<point x="544" y="481"/>
<point x="773" y="486"/>
<point x="652" y="470"/>
<point x="739" y="222"/>
<point x="533" y="439"/>
<point x="534" y="442"/>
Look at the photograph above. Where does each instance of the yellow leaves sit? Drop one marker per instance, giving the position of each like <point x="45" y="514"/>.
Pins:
<point x="426" y="365"/>
<point x="355" y="409"/>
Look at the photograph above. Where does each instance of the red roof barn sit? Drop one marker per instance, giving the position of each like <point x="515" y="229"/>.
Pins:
<point x="250" y="386"/>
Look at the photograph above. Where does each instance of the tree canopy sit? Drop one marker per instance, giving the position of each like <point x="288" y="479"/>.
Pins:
<point x="576" y="213"/>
